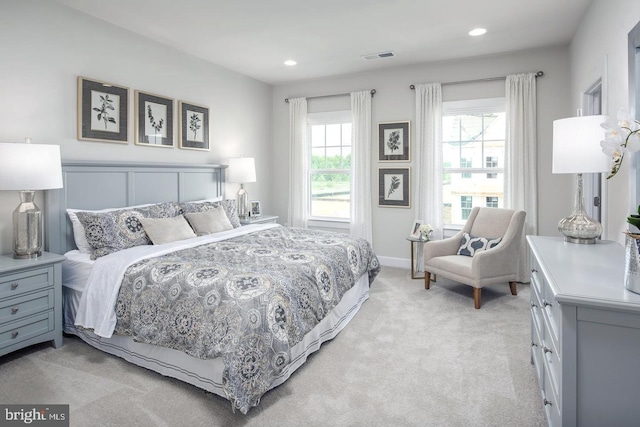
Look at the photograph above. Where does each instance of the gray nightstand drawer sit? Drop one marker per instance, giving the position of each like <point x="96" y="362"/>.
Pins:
<point x="26" y="281"/>
<point x="16" y="308"/>
<point x="28" y="327"/>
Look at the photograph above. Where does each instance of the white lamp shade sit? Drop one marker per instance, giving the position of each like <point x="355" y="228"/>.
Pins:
<point x="30" y="167"/>
<point x="242" y="169"/>
<point x="576" y="145"/>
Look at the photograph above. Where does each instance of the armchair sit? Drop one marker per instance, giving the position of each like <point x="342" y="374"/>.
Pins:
<point x="487" y="267"/>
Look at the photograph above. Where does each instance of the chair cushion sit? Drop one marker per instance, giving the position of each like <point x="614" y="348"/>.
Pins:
<point x="470" y="245"/>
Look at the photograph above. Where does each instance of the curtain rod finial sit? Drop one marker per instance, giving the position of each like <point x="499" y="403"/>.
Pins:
<point x="412" y="87"/>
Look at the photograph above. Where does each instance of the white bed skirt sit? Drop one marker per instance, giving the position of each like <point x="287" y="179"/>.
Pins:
<point x="207" y="374"/>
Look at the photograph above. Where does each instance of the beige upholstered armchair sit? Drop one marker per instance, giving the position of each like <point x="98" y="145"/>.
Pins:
<point x="490" y="259"/>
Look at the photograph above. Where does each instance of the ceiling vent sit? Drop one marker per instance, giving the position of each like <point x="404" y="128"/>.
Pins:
<point x="379" y="55"/>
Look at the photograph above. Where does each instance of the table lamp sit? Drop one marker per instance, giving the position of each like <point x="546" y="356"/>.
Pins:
<point x="242" y="170"/>
<point x="576" y="149"/>
<point x="28" y="167"/>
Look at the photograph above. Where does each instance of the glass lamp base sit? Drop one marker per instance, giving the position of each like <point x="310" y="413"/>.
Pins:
<point x="27" y="220"/>
<point x="579" y="227"/>
<point x="243" y="203"/>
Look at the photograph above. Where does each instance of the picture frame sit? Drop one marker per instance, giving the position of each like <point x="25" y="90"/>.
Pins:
<point x="415" y="229"/>
<point x="394" y="141"/>
<point x="103" y="110"/>
<point x="394" y="187"/>
<point x="193" y="126"/>
<point x="153" y="120"/>
<point x="256" y="208"/>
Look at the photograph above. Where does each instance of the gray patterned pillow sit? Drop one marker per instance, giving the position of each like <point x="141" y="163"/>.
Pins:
<point x="109" y="232"/>
<point x="229" y="206"/>
<point x="470" y="245"/>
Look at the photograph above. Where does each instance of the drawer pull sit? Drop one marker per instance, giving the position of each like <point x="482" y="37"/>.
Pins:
<point x="533" y="344"/>
<point x="533" y="270"/>
<point x="546" y="350"/>
<point x="534" y="305"/>
<point x="547" y="402"/>
<point x="14" y="310"/>
<point x="14" y="286"/>
<point x="546" y="303"/>
<point x="14" y="335"/>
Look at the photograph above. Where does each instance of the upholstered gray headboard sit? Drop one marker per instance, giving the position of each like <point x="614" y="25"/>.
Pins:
<point x="101" y="185"/>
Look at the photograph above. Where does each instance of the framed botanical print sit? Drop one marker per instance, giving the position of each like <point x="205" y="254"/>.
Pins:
<point x="154" y="120"/>
<point x="103" y="109"/>
<point x="193" y="126"/>
<point x="393" y="187"/>
<point x="393" y="142"/>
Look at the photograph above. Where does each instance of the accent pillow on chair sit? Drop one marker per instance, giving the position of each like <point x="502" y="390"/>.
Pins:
<point x="470" y="245"/>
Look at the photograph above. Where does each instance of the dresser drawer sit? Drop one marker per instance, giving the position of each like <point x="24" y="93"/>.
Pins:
<point x="25" y="281"/>
<point x="536" y="275"/>
<point x="28" y="327"/>
<point x="552" y="365"/>
<point x="16" y="308"/>
<point x="536" y="350"/>
<point x="551" y="404"/>
<point x="552" y="312"/>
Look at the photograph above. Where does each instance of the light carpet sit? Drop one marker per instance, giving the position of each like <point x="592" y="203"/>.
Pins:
<point x="410" y="357"/>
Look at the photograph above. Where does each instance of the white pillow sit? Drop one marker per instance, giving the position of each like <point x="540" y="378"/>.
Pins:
<point x="166" y="230"/>
<point x="211" y="221"/>
<point x="78" y="229"/>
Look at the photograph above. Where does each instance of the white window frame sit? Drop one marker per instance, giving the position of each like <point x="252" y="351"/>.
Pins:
<point x="472" y="106"/>
<point x="326" y="118"/>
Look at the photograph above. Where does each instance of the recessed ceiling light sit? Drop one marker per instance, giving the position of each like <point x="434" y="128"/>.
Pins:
<point x="477" y="32"/>
<point x="290" y="62"/>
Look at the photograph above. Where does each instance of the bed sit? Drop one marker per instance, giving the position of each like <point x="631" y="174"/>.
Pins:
<point x="234" y="312"/>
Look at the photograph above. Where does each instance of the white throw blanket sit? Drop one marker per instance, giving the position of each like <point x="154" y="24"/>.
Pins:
<point x="96" y="309"/>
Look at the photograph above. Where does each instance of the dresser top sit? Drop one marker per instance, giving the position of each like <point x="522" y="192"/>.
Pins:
<point x="10" y="264"/>
<point x="585" y="274"/>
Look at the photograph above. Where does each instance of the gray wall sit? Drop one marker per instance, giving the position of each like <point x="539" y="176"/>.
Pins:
<point x="599" y="50"/>
<point x="395" y="101"/>
<point x="45" y="46"/>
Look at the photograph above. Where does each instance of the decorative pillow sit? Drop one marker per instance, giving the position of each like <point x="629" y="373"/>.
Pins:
<point x="211" y="221"/>
<point x="78" y="229"/>
<point x="229" y="206"/>
<point x="112" y="231"/>
<point x="470" y="245"/>
<point x="167" y="230"/>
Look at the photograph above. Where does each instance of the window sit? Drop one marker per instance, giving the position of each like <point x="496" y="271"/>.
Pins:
<point x="330" y="165"/>
<point x="464" y="163"/>
<point x="473" y="138"/>
<point x="490" y="163"/>
<point x="466" y="204"/>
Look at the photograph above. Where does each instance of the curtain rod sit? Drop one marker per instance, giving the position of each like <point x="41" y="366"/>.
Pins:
<point x="489" y="79"/>
<point x="373" y="92"/>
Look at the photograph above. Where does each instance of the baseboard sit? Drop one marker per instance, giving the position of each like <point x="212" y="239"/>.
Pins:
<point x="386" y="261"/>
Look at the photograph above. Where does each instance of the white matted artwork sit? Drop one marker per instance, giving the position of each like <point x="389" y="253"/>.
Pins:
<point x="393" y="187"/>
<point x="393" y="142"/>
<point x="102" y="111"/>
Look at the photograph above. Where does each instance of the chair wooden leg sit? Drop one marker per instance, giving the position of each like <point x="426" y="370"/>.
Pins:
<point x="512" y="286"/>
<point x="427" y="279"/>
<point x="476" y="297"/>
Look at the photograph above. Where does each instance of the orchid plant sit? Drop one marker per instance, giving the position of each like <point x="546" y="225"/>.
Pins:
<point x="622" y="136"/>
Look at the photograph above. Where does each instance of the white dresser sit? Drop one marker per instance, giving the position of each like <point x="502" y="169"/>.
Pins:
<point x="585" y="333"/>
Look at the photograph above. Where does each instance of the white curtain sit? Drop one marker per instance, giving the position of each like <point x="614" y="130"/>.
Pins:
<point x="361" y="165"/>
<point x="520" y="156"/>
<point x="298" y="163"/>
<point x="428" y="151"/>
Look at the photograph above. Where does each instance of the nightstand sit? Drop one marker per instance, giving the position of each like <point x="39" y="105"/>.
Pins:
<point x="262" y="219"/>
<point x="30" y="301"/>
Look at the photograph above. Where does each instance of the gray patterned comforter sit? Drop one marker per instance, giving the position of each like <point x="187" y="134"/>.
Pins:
<point x="248" y="300"/>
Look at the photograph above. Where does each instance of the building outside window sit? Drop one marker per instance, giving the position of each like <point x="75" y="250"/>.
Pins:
<point x="491" y="162"/>
<point x="473" y="138"/>
<point x="491" y="202"/>
<point x="330" y="165"/>
<point x="466" y="204"/>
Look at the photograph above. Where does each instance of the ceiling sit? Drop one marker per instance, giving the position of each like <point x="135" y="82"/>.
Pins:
<point x="329" y="37"/>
